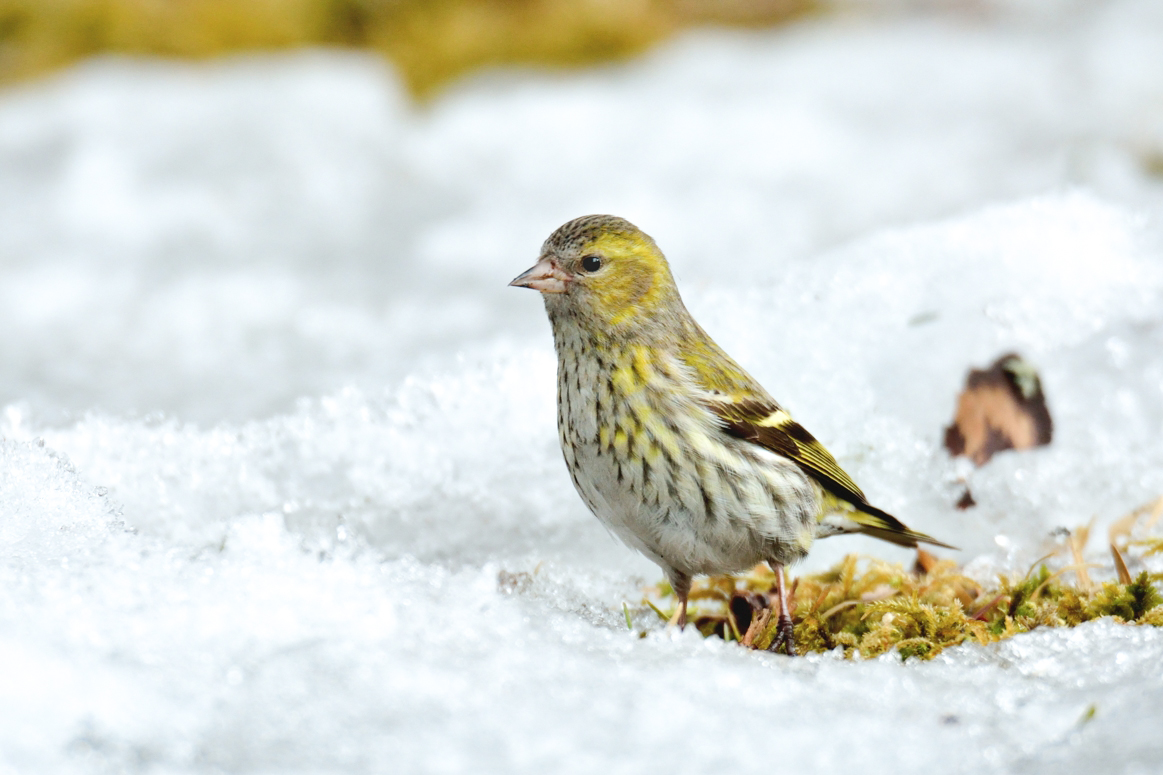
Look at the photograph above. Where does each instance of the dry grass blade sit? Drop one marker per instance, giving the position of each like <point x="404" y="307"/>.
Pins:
<point x="1156" y="508"/>
<point x="1065" y="569"/>
<point x="1121" y="530"/>
<point x="1120" y="565"/>
<point x="1078" y="540"/>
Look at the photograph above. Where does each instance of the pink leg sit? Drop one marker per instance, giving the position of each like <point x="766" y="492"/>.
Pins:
<point x="682" y="589"/>
<point x="785" y="632"/>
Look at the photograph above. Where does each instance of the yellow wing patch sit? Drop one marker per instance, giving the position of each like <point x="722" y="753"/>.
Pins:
<point x="772" y="427"/>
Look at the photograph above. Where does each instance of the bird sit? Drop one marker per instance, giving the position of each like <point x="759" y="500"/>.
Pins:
<point x="676" y="449"/>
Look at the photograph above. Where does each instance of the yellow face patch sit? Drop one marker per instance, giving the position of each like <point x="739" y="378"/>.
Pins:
<point x="633" y="280"/>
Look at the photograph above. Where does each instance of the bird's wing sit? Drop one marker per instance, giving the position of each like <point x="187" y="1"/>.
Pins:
<point x="766" y="424"/>
<point x="748" y="413"/>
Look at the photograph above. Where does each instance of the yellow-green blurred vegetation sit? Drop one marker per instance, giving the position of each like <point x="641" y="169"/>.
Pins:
<point x="429" y="41"/>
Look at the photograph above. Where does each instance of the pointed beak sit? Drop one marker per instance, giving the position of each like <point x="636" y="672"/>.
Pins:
<point x="545" y="276"/>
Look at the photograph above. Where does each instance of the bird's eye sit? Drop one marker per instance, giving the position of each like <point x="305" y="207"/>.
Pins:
<point x="591" y="263"/>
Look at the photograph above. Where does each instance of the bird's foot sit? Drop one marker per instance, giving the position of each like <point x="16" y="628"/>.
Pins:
<point x="784" y="639"/>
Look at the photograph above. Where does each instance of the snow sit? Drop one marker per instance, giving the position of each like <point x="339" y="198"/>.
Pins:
<point x="280" y="488"/>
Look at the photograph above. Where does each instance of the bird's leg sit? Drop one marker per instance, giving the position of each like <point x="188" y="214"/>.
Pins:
<point x="681" y="583"/>
<point x="678" y="618"/>
<point x="785" y="632"/>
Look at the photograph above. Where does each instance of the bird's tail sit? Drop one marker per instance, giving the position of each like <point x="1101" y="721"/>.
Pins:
<point x="847" y="517"/>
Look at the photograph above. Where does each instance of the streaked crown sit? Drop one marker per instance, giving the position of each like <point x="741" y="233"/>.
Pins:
<point x="619" y="277"/>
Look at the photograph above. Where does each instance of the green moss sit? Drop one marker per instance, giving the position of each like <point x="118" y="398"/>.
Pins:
<point x="867" y="607"/>
<point x="1088" y="714"/>
<point x="1153" y="617"/>
<point x="1144" y="596"/>
<point x="1129" y="602"/>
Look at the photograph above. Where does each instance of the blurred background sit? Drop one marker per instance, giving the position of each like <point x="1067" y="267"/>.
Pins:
<point x="210" y="208"/>
<point x="430" y="42"/>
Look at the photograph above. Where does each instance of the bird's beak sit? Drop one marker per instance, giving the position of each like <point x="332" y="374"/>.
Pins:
<point x="545" y="276"/>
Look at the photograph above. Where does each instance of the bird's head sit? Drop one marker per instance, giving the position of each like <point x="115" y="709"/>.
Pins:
<point x="605" y="272"/>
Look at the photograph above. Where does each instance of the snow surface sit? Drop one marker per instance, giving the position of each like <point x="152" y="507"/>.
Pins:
<point x="274" y="426"/>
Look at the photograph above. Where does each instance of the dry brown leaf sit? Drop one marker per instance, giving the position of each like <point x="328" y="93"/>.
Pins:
<point x="925" y="562"/>
<point x="1002" y="407"/>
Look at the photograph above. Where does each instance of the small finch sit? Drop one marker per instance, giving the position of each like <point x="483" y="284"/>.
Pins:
<point x="671" y="444"/>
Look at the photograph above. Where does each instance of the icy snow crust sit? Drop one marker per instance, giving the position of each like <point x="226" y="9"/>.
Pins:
<point x="275" y="425"/>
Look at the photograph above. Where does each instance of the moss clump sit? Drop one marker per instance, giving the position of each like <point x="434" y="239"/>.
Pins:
<point x="868" y="607"/>
<point x="1129" y="602"/>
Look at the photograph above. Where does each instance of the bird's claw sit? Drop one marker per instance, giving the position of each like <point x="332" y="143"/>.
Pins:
<point x="784" y="637"/>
